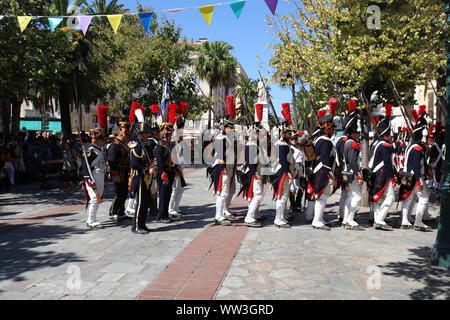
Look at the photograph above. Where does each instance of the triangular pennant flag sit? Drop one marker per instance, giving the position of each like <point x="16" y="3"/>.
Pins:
<point x="207" y="12"/>
<point x="23" y="22"/>
<point x="1" y="17"/>
<point x="84" y="21"/>
<point x="146" y="19"/>
<point x="114" y="20"/>
<point x="272" y="4"/>
<point x="54" y="22"/>
<point x="237" y="7"/>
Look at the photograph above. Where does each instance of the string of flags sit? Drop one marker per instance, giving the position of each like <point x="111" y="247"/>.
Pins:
<point x="145" y="17"/>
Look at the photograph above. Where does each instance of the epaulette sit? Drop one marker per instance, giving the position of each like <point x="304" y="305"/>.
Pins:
<point x="388" y="145"/>
<point x="132" y="144"/>
<point x="418" y="148"/>
<point x="355" y="145"/>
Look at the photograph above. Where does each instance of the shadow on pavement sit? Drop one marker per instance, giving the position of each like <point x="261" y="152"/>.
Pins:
<point x="436" y="280"/>
<point x="20" y="250"/>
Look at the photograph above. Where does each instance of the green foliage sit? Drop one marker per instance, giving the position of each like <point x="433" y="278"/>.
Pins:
<point x="328" y="45"/>
<point x="131" y="62"/>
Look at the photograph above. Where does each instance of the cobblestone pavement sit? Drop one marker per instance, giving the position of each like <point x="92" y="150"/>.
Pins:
<point x="47" y="253"/>
<point x="304" y="263"/>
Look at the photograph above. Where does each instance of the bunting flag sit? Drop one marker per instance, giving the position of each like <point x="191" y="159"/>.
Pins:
<point x="237" y="7"/>
<point x="54" y="22"/>
<point x="146" y="19"/>
<point x="23" y="22"/>
<point x="272" y="4"/>
<point x="1" y="17"/>
<point x="207" y="12"/>
<point x="114" y="20"/>
<point x="84" y="21"/>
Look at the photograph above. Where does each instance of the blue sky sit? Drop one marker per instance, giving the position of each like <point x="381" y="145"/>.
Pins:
<point x="248" y="35"/>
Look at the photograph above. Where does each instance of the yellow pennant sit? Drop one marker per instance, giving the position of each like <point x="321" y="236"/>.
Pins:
<point x="207" y="12"/>
<point x="23" y="22"/>
<point x="115" y="21"/>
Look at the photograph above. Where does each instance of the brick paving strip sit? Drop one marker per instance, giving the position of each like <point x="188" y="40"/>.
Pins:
<point x="198" y="271"/>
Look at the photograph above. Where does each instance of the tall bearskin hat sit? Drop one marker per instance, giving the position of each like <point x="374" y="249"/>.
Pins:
<point x="352" y="123"/>
<point x="325" y="121"/>
<point x="102" y="112"/>
<point x="285" y="126"/>
<point x="384" y="127"/>
<point x="226" y="122"/>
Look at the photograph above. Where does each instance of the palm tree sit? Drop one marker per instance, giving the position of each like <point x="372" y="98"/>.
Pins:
<point x="100" y="7"/>
<point x="215" y="65"/>
<point x="246" y="89"/>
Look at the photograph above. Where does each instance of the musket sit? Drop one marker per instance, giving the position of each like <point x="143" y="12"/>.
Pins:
<point x="402" y="108"/>
<point x="91" y="177"/>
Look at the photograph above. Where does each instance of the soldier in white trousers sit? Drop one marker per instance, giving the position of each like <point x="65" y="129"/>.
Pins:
<point x="352" y="171"/>
<point x="94" y="176"/>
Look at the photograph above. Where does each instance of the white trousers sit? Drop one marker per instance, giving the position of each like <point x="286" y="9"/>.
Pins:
<point x="381" y="208"/>
<point x="280" y="216"/>
<point x="319" y="207"/>
<point x="422" y="197"/>
<point x="352" y="202"/>
<point x="253" y="207"/>
<point x="342" y="202"/>
<point x="175" y="198"/>
<point x="93" y="203"/>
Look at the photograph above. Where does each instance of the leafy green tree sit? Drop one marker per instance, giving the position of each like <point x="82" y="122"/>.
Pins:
<point x="246" y="89"/>
<point x="132" y="66"/>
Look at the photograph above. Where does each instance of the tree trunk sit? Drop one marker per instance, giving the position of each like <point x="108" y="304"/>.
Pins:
<point x="64" y="102"/>
<point x="365" y="156"/>
<point x="5" y="114"/>
<point x="209" y="111"/>
<point x="294" y="107"/>
<point x="15" y="117"/>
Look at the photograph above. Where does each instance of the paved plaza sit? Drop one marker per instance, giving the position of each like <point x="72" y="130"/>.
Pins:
<point x="48" y="253"/>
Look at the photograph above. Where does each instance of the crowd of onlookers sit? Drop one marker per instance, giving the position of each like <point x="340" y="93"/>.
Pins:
<point x="35" y="155"/>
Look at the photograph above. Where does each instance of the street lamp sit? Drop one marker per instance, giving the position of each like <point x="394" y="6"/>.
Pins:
<point x="440" y="255"/>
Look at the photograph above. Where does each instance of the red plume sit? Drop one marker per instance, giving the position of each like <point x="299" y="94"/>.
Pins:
<point x="351" y="105"/>
<point x="155" y="108"/>
<point x="333" y="104"/>
<point x="259" y="111"/>
<point x="422" y="109"/>
<point x="172" y="113"/>
<point x="231" y="107"/>
<point x="321" y="113"/>
<point x="376" y="120"/>
<point x="135" y="105"/>
<point x="415" y="116"/>
<point x="183" y="108"/>
<point x="430" y="133"/>
<point x="388" y="108"/>
<point x="287" y="112"/>
<point x="102" y="112"/>
<point x="404" y="130"/>
<point x="399" y="129"/>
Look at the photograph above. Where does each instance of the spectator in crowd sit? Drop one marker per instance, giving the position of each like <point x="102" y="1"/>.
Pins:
<point x="70" y="167"/>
